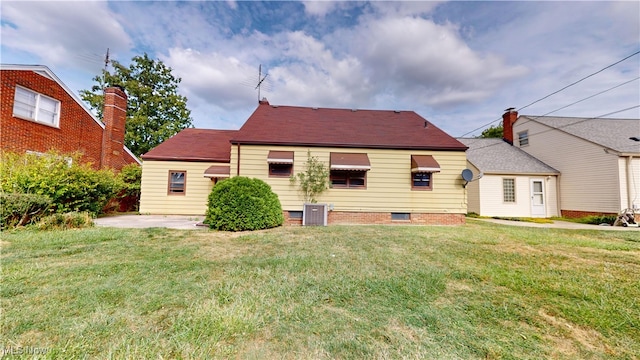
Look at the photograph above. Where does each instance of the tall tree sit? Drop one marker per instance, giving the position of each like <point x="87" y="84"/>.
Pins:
<point x="155" y="110"/>
<point x="492" y="132"/>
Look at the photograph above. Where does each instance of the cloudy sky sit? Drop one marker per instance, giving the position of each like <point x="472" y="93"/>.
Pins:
<point x="458" y="64"/>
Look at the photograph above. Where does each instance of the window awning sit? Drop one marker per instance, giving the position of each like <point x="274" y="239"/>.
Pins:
<point x="217" y="171"/>
<point x="424" y="163"/>
<point x="280" y="157"/>
<point x="350" y="161"/>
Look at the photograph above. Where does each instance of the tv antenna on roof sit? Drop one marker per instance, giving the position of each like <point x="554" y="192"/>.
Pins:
<point x="106" y="60"/>
<point x="260" y="80"/>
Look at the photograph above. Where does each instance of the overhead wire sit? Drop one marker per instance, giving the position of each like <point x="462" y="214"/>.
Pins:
<point x="581" y="100"/>
<point x="557" y="91"/>
<point x="564" y="126"/>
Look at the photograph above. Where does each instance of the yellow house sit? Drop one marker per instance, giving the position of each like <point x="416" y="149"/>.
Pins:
<point x="385" y="166"/>
<point x="178" y="175"/>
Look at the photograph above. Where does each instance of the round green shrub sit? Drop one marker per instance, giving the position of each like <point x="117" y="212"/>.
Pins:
<point x="241" y="203"/>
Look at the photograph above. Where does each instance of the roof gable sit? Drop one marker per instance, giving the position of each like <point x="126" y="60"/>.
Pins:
<point x="614" y="134"/>
<point x="498" y="156"/>
<point x="43" y="70"/>
<point x="194" y="145"/>
<point x="302" y="126"/>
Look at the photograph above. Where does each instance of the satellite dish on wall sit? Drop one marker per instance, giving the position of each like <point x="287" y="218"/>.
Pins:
<point x="467" y="175"/>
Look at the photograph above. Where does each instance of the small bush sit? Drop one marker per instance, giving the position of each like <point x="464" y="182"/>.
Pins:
<point x="22" y="209"/>
<point x="525" y="219"/>
<point x="129" y="197"/>
<point x="240" y="204"/>
<point x="598" y="219"/>
<point x="71" y="220"/>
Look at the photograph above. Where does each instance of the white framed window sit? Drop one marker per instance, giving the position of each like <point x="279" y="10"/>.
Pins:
<point x="509" y="190"/>
<point x="31" y="105"/>
<point x="523" y="138"/>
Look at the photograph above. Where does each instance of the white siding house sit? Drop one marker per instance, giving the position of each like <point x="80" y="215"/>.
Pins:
<point x="599" y="159"/>
<point x="513" y="183"/>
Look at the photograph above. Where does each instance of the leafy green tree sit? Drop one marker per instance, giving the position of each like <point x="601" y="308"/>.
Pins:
<point x="492" y="132"/>
<point x="313" y="181"/>
<point x="155" y="110"/>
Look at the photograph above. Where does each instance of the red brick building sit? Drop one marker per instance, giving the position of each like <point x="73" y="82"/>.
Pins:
<point x="39" y="113"/>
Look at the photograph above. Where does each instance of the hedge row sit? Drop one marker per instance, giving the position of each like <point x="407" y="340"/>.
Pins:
<point x="67" y="183"/>
<point x="22" y="209"/>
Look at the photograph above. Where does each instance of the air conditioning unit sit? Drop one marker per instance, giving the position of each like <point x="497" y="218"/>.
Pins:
<point x="314" y="215"/>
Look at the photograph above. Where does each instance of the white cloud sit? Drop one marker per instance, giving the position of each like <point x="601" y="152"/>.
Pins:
<point x="212" y="78"/>
<point x="403" y="8"/>
<point x="63" y="33"/>
<point x="426" y="62"/>
<point x="458" y="64"/>
<point x="320" y="8"/>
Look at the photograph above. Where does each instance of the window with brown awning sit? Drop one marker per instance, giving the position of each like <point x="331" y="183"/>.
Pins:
<point x="424" y="164"/>
<point x="280" y="157"/>
<point x="217" y="171"/>
<point x="350" y="161"/>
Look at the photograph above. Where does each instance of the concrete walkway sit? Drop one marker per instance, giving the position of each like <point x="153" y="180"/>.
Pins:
<point x="149" y="221"/>
<point x="191" y="222"/>
<point x="557" y="225"/>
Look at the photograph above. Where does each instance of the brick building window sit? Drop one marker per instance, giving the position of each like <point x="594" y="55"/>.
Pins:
<point x="177" y="182"/>
<point x="31" y="105"/>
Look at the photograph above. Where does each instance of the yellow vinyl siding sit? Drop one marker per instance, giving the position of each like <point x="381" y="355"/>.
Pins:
<point x="473" y="192"/>
<point x="388" y="182"/>
<point x="154" y="198"/>
<point x="589" y="178"/>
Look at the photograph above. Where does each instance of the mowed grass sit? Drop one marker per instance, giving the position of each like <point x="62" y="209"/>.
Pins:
<point x="479" y="291"/>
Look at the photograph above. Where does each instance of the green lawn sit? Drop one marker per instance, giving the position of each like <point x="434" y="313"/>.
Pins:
<point x="480" y="291"/>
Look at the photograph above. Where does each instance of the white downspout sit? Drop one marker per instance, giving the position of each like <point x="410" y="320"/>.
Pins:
<point x="630" y="180"/>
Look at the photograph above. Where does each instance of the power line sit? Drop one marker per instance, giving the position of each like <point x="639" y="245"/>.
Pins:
<point x="557" y="91"/>
<point x="587" y="98"/>
<point x="584" y="78"/>
<point x="563" y="126"/>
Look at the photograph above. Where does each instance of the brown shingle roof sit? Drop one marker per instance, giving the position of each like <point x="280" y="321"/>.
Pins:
<point x="195" y="145"/>
<point x="302" y="126"/>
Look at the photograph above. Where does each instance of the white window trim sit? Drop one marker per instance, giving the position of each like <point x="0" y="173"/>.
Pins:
<point x="504" y="192"/>
<point x="525" y="137"/>
<point x="56" y="121"/>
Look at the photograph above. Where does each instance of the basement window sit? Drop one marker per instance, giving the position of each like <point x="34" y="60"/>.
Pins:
<point x="295" y="214"/>
<point x="400" y="216"/>
<point x="31" y="105"/>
